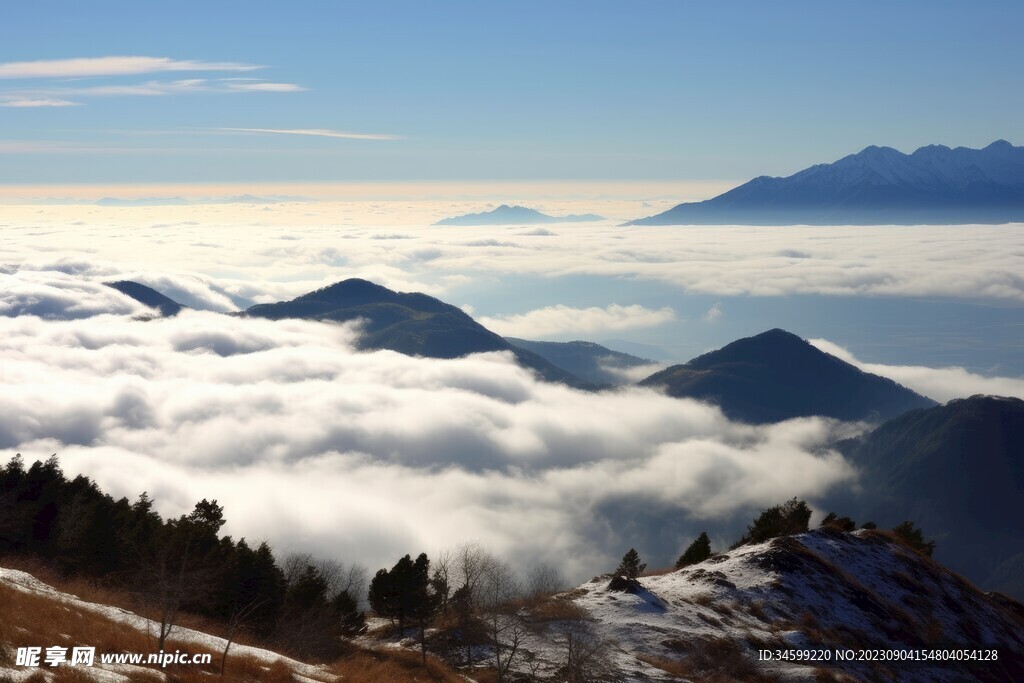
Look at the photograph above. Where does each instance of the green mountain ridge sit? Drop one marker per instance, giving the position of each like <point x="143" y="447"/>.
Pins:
<point x="777" y="375"/>
<point x="957" y="471"/>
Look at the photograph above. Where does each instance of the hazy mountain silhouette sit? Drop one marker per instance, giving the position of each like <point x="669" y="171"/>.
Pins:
<point x="777" y="375"/>
<point x="143" y="201"/>
<point x="515" y="215"/>
<point x="878" y="185"/>
<point x="586" y="360"/>
<point x="957" y="471"/>
<point x="411" y="323"/>
<point x="148" y="296"/>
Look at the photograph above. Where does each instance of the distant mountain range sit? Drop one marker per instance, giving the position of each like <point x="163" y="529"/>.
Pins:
<point x="410" y="323"/>
<point x="589" y="361"/>
<point x="180" y="201"/>
<point x="771" y="377"/>
<point x="879" y="185"/>
<point x="956" y="470"/>
<point x="777" y="375"/>
<point x="515" y="215"/>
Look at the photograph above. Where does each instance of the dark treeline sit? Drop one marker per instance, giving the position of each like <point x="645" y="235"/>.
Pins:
<point x="172" y="566"/>
<point x="301" y="606"/>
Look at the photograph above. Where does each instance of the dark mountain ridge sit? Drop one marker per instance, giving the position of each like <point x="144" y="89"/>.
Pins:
<point x="148" y="296"/>
<point x="411" y="323"/>
<point x="878" y="185"/>
<point x="777" y="375"/>
<point x="957" y="470"/>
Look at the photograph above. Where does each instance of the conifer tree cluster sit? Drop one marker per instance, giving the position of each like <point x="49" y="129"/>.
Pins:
<point x="171" y="566"/>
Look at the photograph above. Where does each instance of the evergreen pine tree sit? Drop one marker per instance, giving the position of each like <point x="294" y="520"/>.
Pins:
<point x="792" y="517"/>
<point x="698" y="551"/>
<point x="914" y="537"/>
<point x="631" y="567"/>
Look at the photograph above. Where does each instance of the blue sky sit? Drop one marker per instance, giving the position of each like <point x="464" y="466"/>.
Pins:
<point x="493" y="91"/>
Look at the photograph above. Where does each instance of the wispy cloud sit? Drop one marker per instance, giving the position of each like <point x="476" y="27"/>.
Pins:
<point x="713" y="314"/>
<point x="36" y="102"/>
<point x="318" y="132"/>
<point x="157" y="88"/>
<point x="557" y="320"/>
<point x="112" y="66"/>
<point x="942" y="384"/>
<point x="267" y="87"/>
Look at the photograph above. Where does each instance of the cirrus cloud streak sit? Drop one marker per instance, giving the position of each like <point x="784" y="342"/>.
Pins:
<point x="111" y="66"/>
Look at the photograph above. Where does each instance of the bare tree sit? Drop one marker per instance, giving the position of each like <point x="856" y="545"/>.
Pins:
<point x="341" y="578"/>
<point x="544" y="580"/>
<point x="179" y="563"/>
<point x="471" y="561"/>
<point x="239" y="616"/>
<point x="465" y="565"/>
<point x="294" y="565"/>
<point x="442" y="576"/>
<point x="586" y="659"/>
<point x="498" y="592"/>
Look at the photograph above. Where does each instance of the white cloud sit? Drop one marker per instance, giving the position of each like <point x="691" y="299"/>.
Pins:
<point x="111" y="66"/>
<point x="317" y="132"/>
<point x="35" y="102"/>
<point x="941" y="384"/>
<point x="60" y="296"/>
<point x="313" y="445"/>
<point x="563" y="320"/>
<point x="158" y="88"/>
<point x="267" y="87"/>
<point x="713" y="314"/>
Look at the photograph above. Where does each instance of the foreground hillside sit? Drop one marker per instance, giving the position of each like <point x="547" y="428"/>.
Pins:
<point x="822" y="592"/>
<point x="819" y="590"/>
<point x="35" y="614"/>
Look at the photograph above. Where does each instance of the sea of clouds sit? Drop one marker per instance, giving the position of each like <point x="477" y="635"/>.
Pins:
<point x="367" y="456"/>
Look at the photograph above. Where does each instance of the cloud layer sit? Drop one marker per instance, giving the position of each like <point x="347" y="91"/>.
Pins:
<point x="289" y="249"/>
<point x="368" y="455"/>
<point x="941" y="384"/>
<point x="561" y="320"/>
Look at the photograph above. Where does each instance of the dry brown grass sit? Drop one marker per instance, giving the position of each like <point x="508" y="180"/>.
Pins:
<point x="392" y="666"/>
<point x="756" y="609"/>
<point x="558" y="609"/>
<point x="709" y="658"/>
<point x="94" y="590"/>
<point x="671" y="666"/>
<point x="29" y="619"/>
<point x="658" y="572"/>
<point x="704" y="599"/>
